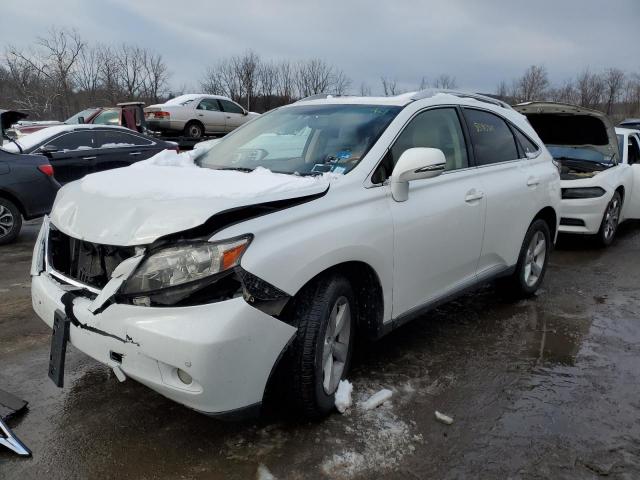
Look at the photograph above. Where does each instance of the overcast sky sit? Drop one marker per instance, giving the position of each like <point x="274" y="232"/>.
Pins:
<point x="478" y="42"/>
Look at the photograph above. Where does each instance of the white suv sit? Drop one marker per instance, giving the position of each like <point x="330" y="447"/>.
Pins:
<point x="318" y="222"/>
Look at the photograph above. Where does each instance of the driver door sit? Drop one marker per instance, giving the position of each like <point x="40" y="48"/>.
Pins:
<point x="633" y="159"/>
<point x="438" y="230"/>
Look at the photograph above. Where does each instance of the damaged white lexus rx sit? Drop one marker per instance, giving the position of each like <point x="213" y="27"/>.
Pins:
<point x="201" y="275"/>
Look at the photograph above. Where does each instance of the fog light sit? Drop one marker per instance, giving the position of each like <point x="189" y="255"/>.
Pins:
<point x="184" y="377"/>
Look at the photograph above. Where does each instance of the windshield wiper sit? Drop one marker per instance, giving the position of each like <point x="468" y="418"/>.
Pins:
<point x="237" y="169"/>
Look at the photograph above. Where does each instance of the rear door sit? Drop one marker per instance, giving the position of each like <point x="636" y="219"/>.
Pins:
<point x="75" y="155"/>
<point x="633" y="159"/>
<point x="211" y="115"/>
<point x="121" y="149"/>
<point x="512" y="185"/>
<point x="234" y="115"/>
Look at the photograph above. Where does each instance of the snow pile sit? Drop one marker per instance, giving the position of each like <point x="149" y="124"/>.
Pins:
<point x="117" y="145"/>
<point x="376" y="399"/>
<point x="168" y="158"/>
<point x="343" y="396"/>
<point x="263" y="473"/>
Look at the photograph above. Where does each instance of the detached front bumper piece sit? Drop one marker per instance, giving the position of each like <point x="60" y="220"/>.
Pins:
<point x="215" y="358"/>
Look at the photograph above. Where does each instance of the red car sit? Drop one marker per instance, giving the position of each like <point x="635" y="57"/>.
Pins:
<point x="128" y="114"/>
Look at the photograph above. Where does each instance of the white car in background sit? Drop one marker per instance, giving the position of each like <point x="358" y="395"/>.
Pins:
<point x="262" y="256"/>
<point x="599" y="190"/>
<point x="196" y="115"/>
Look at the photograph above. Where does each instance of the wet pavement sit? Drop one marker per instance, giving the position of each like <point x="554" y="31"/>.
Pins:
<point x="543" y="388"/>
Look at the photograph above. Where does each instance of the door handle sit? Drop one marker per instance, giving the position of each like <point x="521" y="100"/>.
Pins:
<point x="228" y="116"/>
<point x="201" y="114"/>
<point x="89" y="158"/>
<point x="474" y="195"/>
<point x="532" y="182"/>
<point x="135" y="153"/>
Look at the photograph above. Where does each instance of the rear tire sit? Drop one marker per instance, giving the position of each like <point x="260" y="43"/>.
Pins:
<point x="610" y="220"/>
<point x="532" y="262"/>
<point x="324" y="313"/>
<point x="194" y="130"/>
<point x="10" y="221"/>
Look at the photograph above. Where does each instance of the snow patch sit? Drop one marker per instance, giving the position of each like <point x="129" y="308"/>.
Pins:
<point x="343" y="396"/>
<point x="263" y="473"/>
<point x="381" y="441"/>
<point x="446" y="419"/>
<point x="376" y="399"/>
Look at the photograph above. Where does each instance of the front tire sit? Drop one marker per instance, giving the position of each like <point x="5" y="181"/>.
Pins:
<point x="324" y="314"/>
<point x="532" y="261"/>
<point x="10" y="221"/>
<point x="610" y="220"/>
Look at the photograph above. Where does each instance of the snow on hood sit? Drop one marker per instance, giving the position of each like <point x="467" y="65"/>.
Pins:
<point x="166" y="194"/>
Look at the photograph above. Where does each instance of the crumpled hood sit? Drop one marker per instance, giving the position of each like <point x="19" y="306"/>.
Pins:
<point x="136" y="205"/>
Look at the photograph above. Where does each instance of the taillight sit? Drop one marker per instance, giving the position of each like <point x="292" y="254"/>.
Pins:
<point x="159" y="115"/>
<point x="46" y="169"/>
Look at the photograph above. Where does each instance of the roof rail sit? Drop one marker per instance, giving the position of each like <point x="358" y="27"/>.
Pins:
<point x="430" y="92"/>
<point x="320" y="96"/>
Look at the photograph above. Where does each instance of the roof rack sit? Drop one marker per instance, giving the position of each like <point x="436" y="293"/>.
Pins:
<point x="430" y="92"/>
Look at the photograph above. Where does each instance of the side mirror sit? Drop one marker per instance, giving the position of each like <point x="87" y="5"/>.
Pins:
<point x="245" y="112"/>
<point x="415" y="164"/>
<point x="80" y="119"/>
<point x="48" y="149"/>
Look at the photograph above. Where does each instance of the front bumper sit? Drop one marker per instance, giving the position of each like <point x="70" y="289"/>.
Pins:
<point x="587" y="211"/>
<point x="229" y="348"/>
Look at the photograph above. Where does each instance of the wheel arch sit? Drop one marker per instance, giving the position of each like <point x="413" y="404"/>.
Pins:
<point x="13" y="198"/>
<point x="367" y="289"/>
<point x="193" y="120"/>
<point x="549" y="215"/>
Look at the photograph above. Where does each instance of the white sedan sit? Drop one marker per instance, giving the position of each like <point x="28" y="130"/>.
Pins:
<point x="195" y="115"/>
<point x="597" y="176"/>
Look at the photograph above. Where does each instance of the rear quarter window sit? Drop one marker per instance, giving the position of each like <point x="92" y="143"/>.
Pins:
<point x="491" y="137"/>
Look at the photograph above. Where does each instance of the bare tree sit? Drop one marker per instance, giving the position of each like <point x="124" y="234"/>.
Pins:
<point x="286" y="81"/>
<point x="365" y="90"/>
<point x="532" y="85"/>
<point x="424" y="84"/>
<point x="614" y="80"/>
<point x="313" y="76"/>
<point x="565" y="93"/>
<point x="590" y="88"/>
<point x="340" y="83"/>
<point x="389" y="87"/>
<point x="445" y="81"/>
<point x="502" y="90"/>
<point x="87" y="78"/>
<point x="156" y="77"/>
<point x="246" y="70"/>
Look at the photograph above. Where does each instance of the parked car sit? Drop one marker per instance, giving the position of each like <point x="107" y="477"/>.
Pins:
<point x="632" y="123"/>
<point x="77" y="150"/>
<point x="27" y="190"/>
<point x="126" y="114"/>
<point x="195" y="115"/>
<point x="597" y="187"/>
<point x="202" y="281"/>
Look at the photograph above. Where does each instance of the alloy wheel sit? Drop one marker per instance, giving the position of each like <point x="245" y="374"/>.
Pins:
<point x="611" y="218"/>
<point x="336" y="345"/>
<point x="6" y="221"/>
<point x="535" y="258"/>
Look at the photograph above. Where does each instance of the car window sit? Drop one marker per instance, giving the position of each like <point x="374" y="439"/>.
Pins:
<point x="209" y="104"/>
<point x="83" y="140"/>
<point x="107" y="139"/>
<point x="492" y="139"/>
<point x="634" y="150"/>
<point x="84" y="114"/>
<point x="526" y="144"/>
<point x="107" y="117"/>
<point x="231" y="107"/>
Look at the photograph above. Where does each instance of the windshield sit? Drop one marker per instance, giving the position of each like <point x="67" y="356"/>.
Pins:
<point x="305" y="140"/>
<point x="579" y="154"/>
<point x="84" y="114"/>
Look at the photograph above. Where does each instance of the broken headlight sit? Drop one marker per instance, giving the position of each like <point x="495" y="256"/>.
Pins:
<point x="185" y="264"/>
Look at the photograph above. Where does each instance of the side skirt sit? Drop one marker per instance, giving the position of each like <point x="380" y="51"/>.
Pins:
<point x="415" y="312"/>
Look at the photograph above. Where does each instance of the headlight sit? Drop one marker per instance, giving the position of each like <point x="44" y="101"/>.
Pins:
<point x="183" y="264"/>
<point x="586" y="192"/>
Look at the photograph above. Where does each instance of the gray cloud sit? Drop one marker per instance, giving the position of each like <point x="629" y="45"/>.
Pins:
<point x="480" y="43"/>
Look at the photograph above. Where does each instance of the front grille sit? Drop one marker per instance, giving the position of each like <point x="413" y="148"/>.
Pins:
<point x="86" y="262"/>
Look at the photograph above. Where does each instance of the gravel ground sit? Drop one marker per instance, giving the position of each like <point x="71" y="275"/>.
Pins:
<point x="542" y="388"/>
